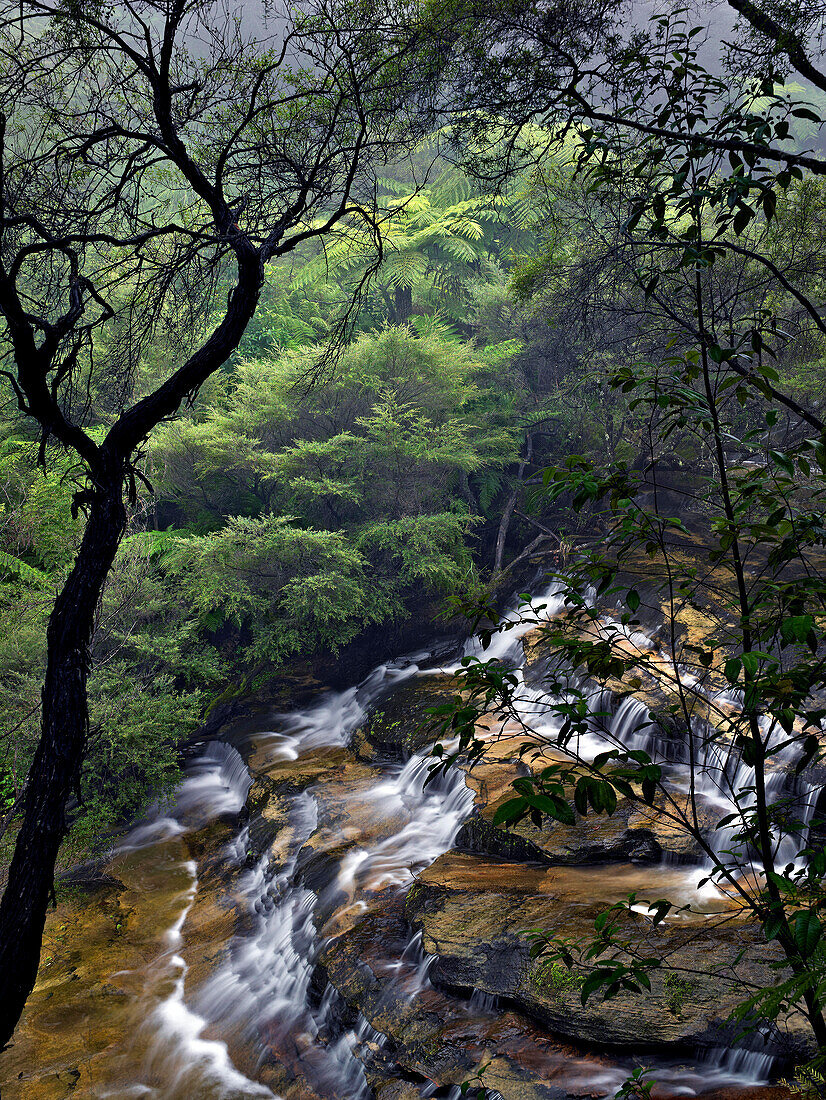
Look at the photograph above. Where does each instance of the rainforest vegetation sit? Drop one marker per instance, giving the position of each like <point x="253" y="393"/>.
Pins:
<point x="338" y="323"/>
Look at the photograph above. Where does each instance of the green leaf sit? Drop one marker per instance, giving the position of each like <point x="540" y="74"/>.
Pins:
<point x="633" y="599"/>
<point x="732" y="669"/>
<point x="593" y="982"/>
<point x="750" y="663"/>
<point x="581" y="796"/>
<point x="510" y="811"/>
<point x="771" y="926"/>
<point x="807" y="932"/>
<point x="783" y="461"/>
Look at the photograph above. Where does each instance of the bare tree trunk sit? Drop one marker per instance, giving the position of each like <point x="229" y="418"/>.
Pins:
<point x="55" y="772"/>
<point x="507" y="514"/>
<point x="504" y="524"/>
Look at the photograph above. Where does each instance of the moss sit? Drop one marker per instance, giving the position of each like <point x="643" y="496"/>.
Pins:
<point x="677" y="989"/>
<point x="559" y="978"/>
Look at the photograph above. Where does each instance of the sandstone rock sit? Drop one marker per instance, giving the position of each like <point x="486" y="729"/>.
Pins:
<point x="443" y="1038"/>
<point x="474" y="913"/>
<point x="634" y="832"/>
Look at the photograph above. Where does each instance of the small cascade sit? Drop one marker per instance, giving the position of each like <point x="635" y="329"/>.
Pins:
<point x="708" y="759"/>
<point x="485" y="1003"/>
<point x="632" y="727"/>
<point x="216" y="785"/>
<point x="735" y="1065"/>
<point x="505" y="646"/>
<point x="176" y="1052"/>
<point x="726" y="781"/>
<point x="419" y="962"/>
<point x="436" y="811"/>
<point x="331" y="720"/>
<point x="261" y="1006"/>
<point x="456" y="1093"/>
<point x="261" y="992"/>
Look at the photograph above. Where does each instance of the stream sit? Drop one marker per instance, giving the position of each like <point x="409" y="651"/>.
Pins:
<point x="201" y="972"/>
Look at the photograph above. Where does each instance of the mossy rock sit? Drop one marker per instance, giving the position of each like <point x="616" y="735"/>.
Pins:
<point x="402" y="724"/>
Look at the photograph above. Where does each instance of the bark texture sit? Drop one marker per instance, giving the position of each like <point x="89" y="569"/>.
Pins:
<point x="55" y="772"/>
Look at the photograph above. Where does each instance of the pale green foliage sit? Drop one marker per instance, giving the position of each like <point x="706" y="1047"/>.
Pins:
<point x="437" y="241"/>
<point x="389" y="435"/>
<point x="430" y="549"/>
<point x="36" y="525"/>
<point x="13" y="567"/>
<point x="292" y="589"/>
<point x="292" y="313"/>
<point x="350" y="488"/>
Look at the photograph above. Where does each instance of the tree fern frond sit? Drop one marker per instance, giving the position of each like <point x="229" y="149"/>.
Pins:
<point x="14" y="567"/>
<point x="156" y="545"/>
<point x="397" y="187"/>
<point x="435" y="324"/>
<point x="460" y="249"/>
<point x="404" y="269"/>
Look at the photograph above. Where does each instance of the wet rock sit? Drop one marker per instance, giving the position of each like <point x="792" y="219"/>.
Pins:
<point x="589" y="841"/>
<point x="402" y="724"/>
<point x="396" y="1090"/>
<point x="443" y="1038"/>
<point x="633" y="833"/>
<point x="474" y="913"/>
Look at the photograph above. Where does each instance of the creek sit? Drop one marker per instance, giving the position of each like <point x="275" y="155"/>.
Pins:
<point x="207" y="962"/>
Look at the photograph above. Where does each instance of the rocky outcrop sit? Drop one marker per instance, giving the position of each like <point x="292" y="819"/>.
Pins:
<point x="474" y="914"/>
<point x="444" y="1038"/>
<point x="402" y="724"/>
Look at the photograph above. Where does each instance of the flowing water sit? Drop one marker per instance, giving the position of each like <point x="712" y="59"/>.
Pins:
<point x="212" y="984"/>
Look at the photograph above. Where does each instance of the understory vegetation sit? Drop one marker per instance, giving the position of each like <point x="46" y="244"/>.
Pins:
<point x="294" y="504"/>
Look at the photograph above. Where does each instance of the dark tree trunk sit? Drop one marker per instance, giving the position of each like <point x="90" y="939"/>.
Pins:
<point x="403" y="303"/>
<point x="55" y="772"/>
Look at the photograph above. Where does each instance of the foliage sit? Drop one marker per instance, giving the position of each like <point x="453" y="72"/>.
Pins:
<point x="695" y="235"/>
<point x="304" y="515"/>
<point x="808" y="1082"/>
<point x="437" y="241"/>
<point x="391" y="433"/>
<point x="677" y="989"/>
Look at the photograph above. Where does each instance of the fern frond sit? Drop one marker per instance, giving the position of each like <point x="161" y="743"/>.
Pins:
<point x="397" y="187"/>
<point x="14" y="567"/>
<point x="156" y="545"/>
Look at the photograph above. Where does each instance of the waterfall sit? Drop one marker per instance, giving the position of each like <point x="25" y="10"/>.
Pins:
<point x="216" y="784"/>
<point x="263" y="1001"/>
<point x="262" y="984"/>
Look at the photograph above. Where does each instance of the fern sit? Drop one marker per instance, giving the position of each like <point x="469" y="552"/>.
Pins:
<point x="156" y="545"/>
<point x="495" y="354"/>
<point x="435" y="325"/>
<point x="14" y="567"/>
<point x="397" y="187"/>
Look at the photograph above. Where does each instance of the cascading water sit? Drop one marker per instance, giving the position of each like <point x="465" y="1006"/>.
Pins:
<point x="259" y="1011"/>
<point x="261" y="991"/>
<point x="720" y="777"/>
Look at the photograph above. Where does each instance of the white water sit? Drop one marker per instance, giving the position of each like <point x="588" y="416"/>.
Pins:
<point x="217" y="783"/>
<point x="262" y="984"/>
<point x="260" y="992"/>
<point x="505" y="645"/>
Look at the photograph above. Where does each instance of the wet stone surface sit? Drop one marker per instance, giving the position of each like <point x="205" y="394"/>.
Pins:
<point x="326" y="926"/>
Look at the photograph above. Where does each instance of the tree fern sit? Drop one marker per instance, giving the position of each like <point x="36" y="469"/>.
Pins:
<point x="14" y="567"/>
<point x="156" y="545"/>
